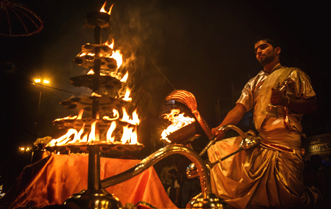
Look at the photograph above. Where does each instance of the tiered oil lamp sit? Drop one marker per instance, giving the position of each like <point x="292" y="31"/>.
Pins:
<point x="109" y="125"/>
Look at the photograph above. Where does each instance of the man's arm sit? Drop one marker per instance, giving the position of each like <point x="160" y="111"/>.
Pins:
<point x="303" y="106"/>
<point x="232" y="118"/>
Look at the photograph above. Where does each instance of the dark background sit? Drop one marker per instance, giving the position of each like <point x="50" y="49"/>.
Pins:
<point x="205" y="47"/>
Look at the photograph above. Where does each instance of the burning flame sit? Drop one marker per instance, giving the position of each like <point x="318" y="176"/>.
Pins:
<point x="116" y="54"/>
<point x="75" y="117"/>
<point x="118" y="57"/>
<point x="129" y="136"/>
<point x="129" y="133"/>
<point x="127" y="95"/>
<point x="178" y="122"/>
<point x="110" y="45"/>
<point x="110" y="131"/>
<point x="134" y="121"/>
<point x="91" y="72"/>
<point x="77" y="136"/>
<point x="103" y="8"/>
<point x="115" y="114"/>
<point x="94" y="136"/>
<point x="125" y="77"/>
<point x="80" y="114"/>
<point x="63" y="139"/>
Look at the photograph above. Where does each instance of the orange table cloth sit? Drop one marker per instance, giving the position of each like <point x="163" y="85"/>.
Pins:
<point x="52" y="180"/>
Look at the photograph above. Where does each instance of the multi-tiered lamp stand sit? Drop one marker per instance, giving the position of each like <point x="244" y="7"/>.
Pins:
<point x="98" y="58"/>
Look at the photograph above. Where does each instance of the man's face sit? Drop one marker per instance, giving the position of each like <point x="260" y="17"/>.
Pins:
<point x="265" y="53"/>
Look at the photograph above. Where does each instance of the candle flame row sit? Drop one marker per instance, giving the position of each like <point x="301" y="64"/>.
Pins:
<point x="73" y="137"/>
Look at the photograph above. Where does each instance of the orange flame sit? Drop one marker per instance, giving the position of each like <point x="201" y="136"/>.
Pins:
<point x="125" y="77"/>
<point x="116" y="115"/>
<point x="103" y="8"/>
<point x="127" y="132"/>
<point x="77" y="136"/>
<point x="94" y="136"/>
<point x="116" y="54"/>
<point x="134" y="121"/>
<point x="110" y="132"/>
<point x="118" y="57"/>
<point x="80" y="114"/>
<point x="63" y="139"/>
<point x="178" y="122"/>
<point x="91" y="72"/>
<point x="134" y="137"/>
<point x="127" y="95"/>
<point x="110" y="45"/>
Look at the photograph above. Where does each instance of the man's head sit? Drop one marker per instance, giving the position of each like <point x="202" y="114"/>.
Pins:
<point x="267" y="51"/>
<point x="172" y="174"/>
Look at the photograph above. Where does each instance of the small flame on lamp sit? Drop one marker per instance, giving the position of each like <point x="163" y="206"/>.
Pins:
<point x="110" y="131"/>
<point x="110" y="45"/>
<point x="103" y="8"/>
<point x="93" y="134"/>
<point x="134" y="121"/>
<point x="125" y="77"/>
<point x="127" y="95"/>
<point x="118" y="57"/>
<point x="90" y="72"/>
<point x="178" y="121"/>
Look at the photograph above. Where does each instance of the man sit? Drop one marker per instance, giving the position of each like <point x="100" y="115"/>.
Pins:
<point x="174" y="190"/>
<point x="270" y="175"/>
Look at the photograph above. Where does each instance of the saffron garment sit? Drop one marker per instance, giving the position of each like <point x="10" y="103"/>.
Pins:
<point x="271" y="174"/>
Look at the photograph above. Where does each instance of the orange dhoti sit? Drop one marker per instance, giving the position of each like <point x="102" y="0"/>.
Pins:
<point x="260" y="177"/>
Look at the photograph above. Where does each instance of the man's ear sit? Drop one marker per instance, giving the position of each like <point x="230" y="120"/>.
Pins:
<point x="278" y="50"/>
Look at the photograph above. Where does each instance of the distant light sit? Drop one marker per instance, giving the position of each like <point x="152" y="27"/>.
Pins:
<point x="41" y="81"/>
<point x="24" y="149"/>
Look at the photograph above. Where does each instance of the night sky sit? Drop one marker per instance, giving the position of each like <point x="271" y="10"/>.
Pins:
<point x="205" y="47"/>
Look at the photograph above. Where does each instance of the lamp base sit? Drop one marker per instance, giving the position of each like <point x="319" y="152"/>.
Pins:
<point x="210" y="202"/>
<point x="87" y="199"/>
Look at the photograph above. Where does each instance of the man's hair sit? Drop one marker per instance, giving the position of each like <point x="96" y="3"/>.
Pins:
<point x="173" y="171"/>
<point x="274" y="43"/>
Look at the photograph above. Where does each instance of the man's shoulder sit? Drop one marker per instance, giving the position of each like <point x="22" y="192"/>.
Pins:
<point x="297" y="72"/>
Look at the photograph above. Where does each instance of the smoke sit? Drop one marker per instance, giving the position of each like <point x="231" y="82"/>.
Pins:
<point x="137" y="28"/>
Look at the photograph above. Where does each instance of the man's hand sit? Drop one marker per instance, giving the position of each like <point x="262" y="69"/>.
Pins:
<point x="278" y="97"/>
<point x="232" y="118"/>
<point x="218" y="133"/>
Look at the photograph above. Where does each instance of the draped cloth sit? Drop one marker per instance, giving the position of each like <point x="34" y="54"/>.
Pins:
<point x="260" y="177"/>
<point x="54" y="179"/>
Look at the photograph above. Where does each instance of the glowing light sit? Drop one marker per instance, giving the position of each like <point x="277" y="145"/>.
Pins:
<point x="125" y="77"/>
<point x="118" y="57"/>
<point x="93" y="134"/>
<point x="127" y="95"/>
<point x="178" y="122"/>
<point x="103" y="8"/>
<point x="110" y="132"/>
<point x="90" y="72"/>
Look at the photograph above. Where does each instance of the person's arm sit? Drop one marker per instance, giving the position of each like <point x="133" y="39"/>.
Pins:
<point x="303" y="106"/>
<point x="232" y="118"/>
